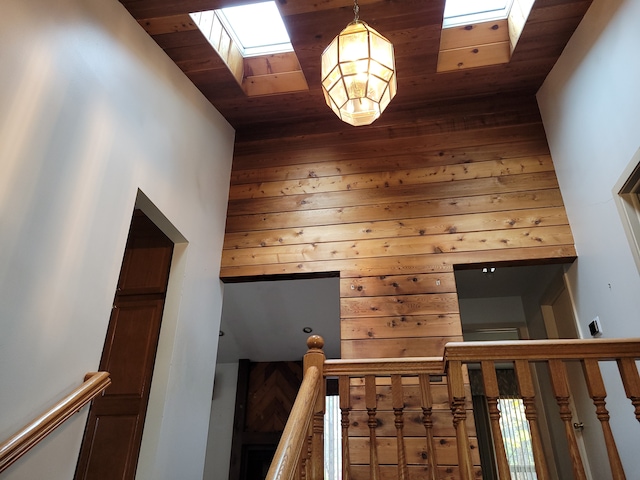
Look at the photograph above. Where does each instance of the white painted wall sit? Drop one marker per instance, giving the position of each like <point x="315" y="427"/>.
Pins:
<point x="590" y="104"/>
<point x="223" y="407"/>
<point x="91" y="111"/>
<point x="495" y="312"/>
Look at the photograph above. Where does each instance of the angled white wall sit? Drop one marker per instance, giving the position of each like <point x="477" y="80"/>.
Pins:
<point x="590" y="104"/>
<point x="91" y="112"/>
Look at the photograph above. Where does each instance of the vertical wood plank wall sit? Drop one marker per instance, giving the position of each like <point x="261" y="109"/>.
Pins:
<point x="393" y="209"/>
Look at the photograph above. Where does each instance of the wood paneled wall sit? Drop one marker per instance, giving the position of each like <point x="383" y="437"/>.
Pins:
<point x="393" y="208"/>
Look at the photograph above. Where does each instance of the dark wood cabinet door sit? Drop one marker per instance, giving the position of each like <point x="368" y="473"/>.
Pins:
<point x="113" y="434"/>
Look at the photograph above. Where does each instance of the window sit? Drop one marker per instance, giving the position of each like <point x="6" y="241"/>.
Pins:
<point x="463" y="12"/>
<point x="257" y="29"/>
<point x="516" y="438"/>
<point x="332" y="439"/>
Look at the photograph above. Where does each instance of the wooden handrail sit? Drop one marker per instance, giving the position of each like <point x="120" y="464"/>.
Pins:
<point x="285" y="460"/>
<point x="555" y="354"/>
<point x="26" y="438"/>
<point x="539" y="350"/>
<point x="299" y="454"/>
<point x="385" y="366"/>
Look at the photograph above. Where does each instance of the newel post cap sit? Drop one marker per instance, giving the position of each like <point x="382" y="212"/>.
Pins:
<point x="315" y="342"/>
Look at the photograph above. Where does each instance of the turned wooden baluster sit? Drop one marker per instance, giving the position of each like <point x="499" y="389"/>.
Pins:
<point x="315" y="358"/>
<point x="345" y="408"/>
<point x="558" y="371"/>
<point x="427" y="407"/>
<point x="527" y="392"/>
<point x="397" y="401"/>
<point x="493" y="393"/>
<point x="631" y="382"/>
<point x="457" y="399"/>
<point x="305" y="464"/>
<point x="370" y="403"/>
<point x="598" y="393"/>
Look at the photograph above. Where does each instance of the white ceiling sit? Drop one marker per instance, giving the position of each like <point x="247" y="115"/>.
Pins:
<point x="263" y="321"/>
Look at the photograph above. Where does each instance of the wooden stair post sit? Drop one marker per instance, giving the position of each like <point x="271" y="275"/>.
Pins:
<point x="315" y="358"/>
<point x="458" y="401"/>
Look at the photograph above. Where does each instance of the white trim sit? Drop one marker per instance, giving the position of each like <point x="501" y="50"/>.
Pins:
<point x="626" y="193"/>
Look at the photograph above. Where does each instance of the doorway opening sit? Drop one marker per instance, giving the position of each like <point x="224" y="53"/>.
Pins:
<point x="508" y="303"/>
<point x="113" y="434"/>
<point x="264" y="328"/>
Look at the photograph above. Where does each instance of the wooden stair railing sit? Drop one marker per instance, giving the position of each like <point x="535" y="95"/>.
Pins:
<point x="27" y="437"/>
<point x="377" y="393"/>
<point x="300" y="451"/>
<point x="555" y="353"/>
<point x="380" y="398"/>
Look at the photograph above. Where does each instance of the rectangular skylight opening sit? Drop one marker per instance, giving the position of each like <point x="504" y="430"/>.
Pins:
<point x="467" y="12"/>
<point x="257" y="29"/>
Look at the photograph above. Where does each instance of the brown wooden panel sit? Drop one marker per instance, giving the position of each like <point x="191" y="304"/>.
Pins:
<point x="113" y="456"/>
<point x="421" y="244"/>
<point x="389" y="194"/>
<point x="401" y="227"/>
<point x="134" y="322"/>
<point x="396" y="347"/>
<point x="397" y="285"/>
<point x="446" y="451"/>
<point x="444" y="156"/>
<point x="408" y="264"/>
<point x="403" y="326"/>
<point x="439" y="393"/>
<point x="415" y="176"/>
<point x="413" y="426"/>
<point x="147" y="257"/>
<point x="400" y="210"/>
<point x="114" y="428"/>
<point x="475" y="34"/>
<point x="399" y="305"/>
<point x="273" y="387"/>
<point x="416" y="472"/>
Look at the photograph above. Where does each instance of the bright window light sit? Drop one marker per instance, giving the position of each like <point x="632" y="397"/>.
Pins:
<point x="464" y="12"/>
<point x="258" y="28"/>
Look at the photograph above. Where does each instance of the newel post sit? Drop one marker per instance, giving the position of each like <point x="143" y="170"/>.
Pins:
<point x="315" y="358"/>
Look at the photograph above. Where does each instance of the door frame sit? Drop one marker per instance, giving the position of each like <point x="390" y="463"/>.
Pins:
<point x="551" y="298"/>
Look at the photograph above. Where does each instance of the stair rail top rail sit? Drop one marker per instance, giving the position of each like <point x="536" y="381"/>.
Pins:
<point x="28" y="436"/>
<point x="384" y="366"/>
<point x="285" y="460"/>
<point x="540" y="350"/>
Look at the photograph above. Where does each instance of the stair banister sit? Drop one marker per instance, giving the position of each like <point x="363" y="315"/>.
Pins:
<point x="307" y="408"/>
<point x="29" y="436"/>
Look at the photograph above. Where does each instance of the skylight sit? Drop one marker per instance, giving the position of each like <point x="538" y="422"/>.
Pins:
<point x="257" y="29"/>
<point x="465" y="12"/>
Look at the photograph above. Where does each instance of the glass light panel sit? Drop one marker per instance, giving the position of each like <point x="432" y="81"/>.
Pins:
<point x="353" y="44"/>
<point x="376" y="88"/>
<point x="329" y="58"/>
<point x="380" y="71"/>
<point x="353" y="68"/>
<point x="339" y="94"/>
<point x="331" y="79"/>
<point x="381" y="50"/>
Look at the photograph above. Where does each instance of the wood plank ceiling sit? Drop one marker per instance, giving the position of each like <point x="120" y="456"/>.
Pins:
<point x="413" y="26"/>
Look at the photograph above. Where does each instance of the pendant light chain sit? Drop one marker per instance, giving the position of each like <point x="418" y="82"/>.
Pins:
<point x="356" y="11"/>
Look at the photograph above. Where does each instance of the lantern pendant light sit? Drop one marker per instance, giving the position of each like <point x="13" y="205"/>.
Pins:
<point x="358" y="73"/>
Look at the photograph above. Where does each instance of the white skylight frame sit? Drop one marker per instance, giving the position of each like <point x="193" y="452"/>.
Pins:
<point x="256" y="29"/>
<point x="466" y="12"/>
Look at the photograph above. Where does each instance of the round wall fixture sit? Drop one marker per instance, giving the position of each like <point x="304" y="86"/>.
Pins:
<point x="307" y="329"/>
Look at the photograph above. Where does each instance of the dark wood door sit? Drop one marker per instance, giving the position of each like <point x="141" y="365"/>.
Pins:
<point x="114" y="429"/>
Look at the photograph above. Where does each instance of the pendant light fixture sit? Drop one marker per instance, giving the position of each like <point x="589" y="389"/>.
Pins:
<point x="358" y="73"/>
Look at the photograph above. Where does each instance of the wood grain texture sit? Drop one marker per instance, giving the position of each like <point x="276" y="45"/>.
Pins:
<point x="393" y="209"/>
